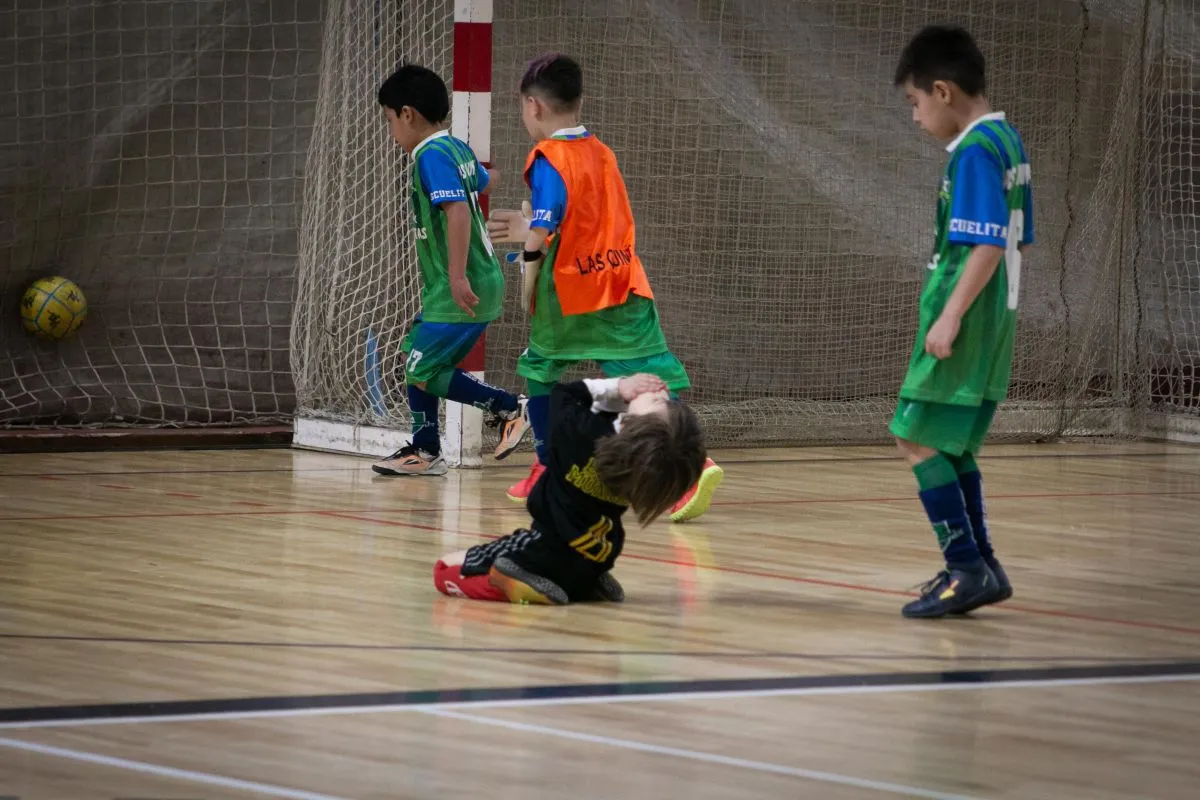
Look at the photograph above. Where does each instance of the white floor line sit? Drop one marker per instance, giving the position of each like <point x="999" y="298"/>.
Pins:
<point x="707" y="758"/>
<point x="165" y="772"/>
<point x="664" y="697"/>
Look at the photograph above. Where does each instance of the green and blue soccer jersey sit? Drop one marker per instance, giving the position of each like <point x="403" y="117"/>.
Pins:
<point x="985" y="199"/>
<point x="446" y="171"/>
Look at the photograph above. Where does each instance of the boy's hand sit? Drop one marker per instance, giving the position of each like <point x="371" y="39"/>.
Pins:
<point x="939" y="339"/>
<point x="634" y="385"/>
<point x="464" y="297"/>
<point x="507" y="225"/>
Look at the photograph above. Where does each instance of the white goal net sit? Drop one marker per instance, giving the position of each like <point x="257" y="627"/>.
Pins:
<point x="158" y="154"/>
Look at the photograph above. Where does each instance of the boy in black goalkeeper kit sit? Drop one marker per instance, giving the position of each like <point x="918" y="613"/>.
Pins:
<point x="614" y="444"/>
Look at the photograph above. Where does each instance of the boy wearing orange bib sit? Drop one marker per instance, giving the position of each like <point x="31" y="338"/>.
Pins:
<point x="584" y="284"/>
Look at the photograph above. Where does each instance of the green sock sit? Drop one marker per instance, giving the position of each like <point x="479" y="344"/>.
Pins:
<point x="935" y="471"/>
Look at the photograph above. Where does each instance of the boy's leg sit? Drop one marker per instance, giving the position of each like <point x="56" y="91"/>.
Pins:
<point x="929" y="436"/>
<point x="432" y="351"/>
<point x="524" y="567"/>
<point x="540" y="374"/>
<point x="546" y="570"/>
<point x="696" y="500"/>
<point x="422" y="456"/>
<point x="438" y="348"/>
<point x="971" y="482"/>
<point x="471" y="573"/>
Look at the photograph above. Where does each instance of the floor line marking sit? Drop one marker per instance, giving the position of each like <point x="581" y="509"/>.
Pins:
<point x="608" y="699"/>
<point x="704" y="757"/>
<point x="165" y="772"/>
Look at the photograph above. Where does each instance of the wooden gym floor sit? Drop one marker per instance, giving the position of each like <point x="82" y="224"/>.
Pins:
<point x="212" y="624"/>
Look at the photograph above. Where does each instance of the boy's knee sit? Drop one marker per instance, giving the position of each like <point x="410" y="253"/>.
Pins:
<point x="912" y="452"/>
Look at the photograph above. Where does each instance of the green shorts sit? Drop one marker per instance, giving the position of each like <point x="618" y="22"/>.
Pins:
<point x="946" y="428"/>
<point x="534" y="367"/>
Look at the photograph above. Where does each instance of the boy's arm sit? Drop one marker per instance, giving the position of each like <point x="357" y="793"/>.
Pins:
<point x="606" y="394"/>
<point x="443" y="184"/>
<point x="979" y="219"/>
<point x="458" y="235"/>
<point x="981" y="266"/>
<point x="549" y="203"/>
<point x="611" y="395"/>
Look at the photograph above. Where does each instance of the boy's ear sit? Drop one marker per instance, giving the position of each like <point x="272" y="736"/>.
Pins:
<point x="942" y="91"/>
<point x="539" y="108"/>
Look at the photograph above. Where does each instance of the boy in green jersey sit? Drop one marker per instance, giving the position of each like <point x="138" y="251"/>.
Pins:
<point x="962" y="359"/>
<point x="462" y="288"/>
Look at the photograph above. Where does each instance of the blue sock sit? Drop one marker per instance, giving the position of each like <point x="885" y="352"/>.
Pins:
<point x="947" y="510"/>
<point x="539" y="419"/>
<point x="424" y="407"/>
<point x="971" y="482"/>
<point x="463" y="387"/>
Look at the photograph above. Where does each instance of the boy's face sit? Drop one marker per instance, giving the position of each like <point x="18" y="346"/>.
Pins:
<point x="401" y="127"/>
<point x="933" y="110"/>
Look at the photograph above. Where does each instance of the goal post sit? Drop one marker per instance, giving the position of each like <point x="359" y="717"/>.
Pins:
<point x="382" y="424"/>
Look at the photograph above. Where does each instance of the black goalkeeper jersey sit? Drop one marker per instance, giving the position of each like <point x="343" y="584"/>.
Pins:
<point x="569" y="501"/>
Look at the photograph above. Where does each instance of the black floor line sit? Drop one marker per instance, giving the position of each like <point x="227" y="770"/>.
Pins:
<point x="237" y="705"/>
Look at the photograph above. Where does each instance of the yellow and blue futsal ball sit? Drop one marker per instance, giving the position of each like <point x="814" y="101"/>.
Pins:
<point x="53" y="308"/>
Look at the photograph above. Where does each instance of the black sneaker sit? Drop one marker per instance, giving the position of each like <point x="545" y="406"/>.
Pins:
<point x="1001" y="581"/>
<point x="954" y="591"/>
<point x="609" y="589"/>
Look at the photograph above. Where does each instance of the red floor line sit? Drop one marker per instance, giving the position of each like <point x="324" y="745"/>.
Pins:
<point x="432" y="510"/>
<point x="798" y="579"/>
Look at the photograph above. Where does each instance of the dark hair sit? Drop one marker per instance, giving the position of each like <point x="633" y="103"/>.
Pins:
<point x="940" y="53"/>
<point x="652" y="461"/>
<point x="555" y="78"/>
<point x="420" y="89"/>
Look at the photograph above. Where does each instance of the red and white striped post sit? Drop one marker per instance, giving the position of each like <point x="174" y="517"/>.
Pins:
<point x="471" y="121"/>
